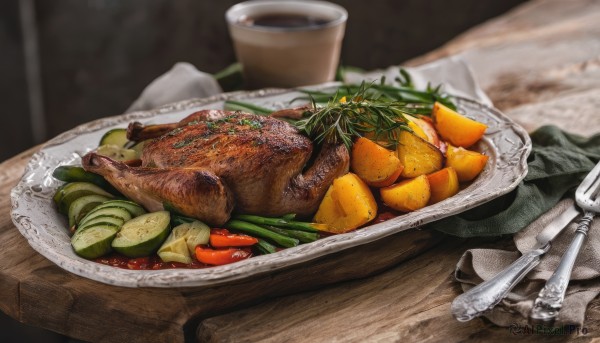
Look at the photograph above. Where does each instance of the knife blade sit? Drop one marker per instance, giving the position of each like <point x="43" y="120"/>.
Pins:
<point x="483" y="297"/>
<point x="556" y="226"/>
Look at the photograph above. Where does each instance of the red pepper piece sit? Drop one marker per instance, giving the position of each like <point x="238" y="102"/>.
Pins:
<point x="219" y="257"/>
<point x="223" y="232"/>
<point x="218" y="240"/>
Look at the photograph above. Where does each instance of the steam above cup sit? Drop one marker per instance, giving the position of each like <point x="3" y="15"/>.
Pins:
<point x="287" y="43"/>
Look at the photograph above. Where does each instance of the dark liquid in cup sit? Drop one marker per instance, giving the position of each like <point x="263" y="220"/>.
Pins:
<point x="284" y="20"/>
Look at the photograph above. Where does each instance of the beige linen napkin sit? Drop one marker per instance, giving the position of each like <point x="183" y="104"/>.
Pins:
<point x="182" y="82"/>
<point x="482" y="264"/>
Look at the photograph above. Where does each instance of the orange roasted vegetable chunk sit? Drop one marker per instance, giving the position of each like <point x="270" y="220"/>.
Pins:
<point x="347" y="205"/>
<point x="417" y="155"/>
<point x="408" y="195"/>
<point x="443" y="184"/>
<point x="376" y="165"/>
<point x="455" y="128"/>
<point x="468" y="164"/>
<point x="423" y="127"/>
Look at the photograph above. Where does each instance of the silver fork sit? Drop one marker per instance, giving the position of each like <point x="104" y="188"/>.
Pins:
<point x="550" y="299"/>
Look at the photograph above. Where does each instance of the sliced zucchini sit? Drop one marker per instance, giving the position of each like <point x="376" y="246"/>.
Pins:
<point x="177" y="220"/>
<point x="78" y="174"/>
<point x="180" y="245"/>
<point x="59" y="194"/>
<point x="175" y="250"/>
<point x="116" y="137"/>
<point x="81" y="206"/>
<point x="74" y="190"/>
<point x="132" y="207"/>
<point x="143" y="235"/>
<point x="117" y="153"/>
<point x="198" y="234"/>
<point x="103" y="219"/>
<point x="118" y="212"/>
<point x="93" y="242"/>
<point x="138" y="148"/>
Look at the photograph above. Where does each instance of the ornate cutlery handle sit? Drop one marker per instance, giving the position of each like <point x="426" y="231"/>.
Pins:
<point x="550" y="299"/>
<point x="488" y="294"/>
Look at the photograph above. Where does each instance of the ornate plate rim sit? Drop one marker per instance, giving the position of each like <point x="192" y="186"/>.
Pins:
<point x="507" y="170"/>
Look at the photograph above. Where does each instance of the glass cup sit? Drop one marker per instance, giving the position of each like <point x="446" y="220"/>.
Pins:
<point x="287" y="43"/>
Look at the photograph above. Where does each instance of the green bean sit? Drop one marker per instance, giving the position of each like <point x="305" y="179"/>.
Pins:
<point x="265" y="247"/>
<point x="279" y="222"/>
<point x="255" y="230"/>
<point x="302" y="236"/>
<point x="233" y="105"/>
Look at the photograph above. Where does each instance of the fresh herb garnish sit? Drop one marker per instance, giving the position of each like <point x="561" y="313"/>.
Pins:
<point x="174" y="132"/>
<point x="182" y="143"/>
<point x="405" y="91"/>
<point x="212" y="125"/>
<point x="377" y="111"/>
<point x="359" y="115"/>
<point x="254" y="124"/>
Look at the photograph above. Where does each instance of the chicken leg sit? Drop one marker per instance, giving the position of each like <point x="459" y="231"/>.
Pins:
<point x="190" y="191"/>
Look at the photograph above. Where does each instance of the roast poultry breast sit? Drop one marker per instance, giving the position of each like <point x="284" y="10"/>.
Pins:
<point x="214" y="162"/>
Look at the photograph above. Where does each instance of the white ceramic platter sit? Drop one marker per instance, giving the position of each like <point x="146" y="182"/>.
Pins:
<point x="34" y="214"/>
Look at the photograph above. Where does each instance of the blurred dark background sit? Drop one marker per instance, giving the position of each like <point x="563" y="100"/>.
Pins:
<point x="66" y="62"/>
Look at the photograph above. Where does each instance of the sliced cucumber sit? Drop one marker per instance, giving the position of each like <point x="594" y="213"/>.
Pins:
<point x="116" y="137"/>
<point x="143" y="235"/>
<point x="117" y="153"/>
<point x="182" y="241"/>
<point x="81" y="206"/>
<point x="93" y="242"/>
<point x="118" y="212"/>
<point x="74" y="190"/>
<point x="103" y="219"/>
<point x="132" y="207"/>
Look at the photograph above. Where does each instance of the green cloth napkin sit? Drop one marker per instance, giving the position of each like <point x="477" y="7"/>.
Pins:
<point x="557" y="164"/>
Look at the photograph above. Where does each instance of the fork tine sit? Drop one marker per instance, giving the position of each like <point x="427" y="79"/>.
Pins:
<point x="591" y="181"/>
<point x="596" y="191"/>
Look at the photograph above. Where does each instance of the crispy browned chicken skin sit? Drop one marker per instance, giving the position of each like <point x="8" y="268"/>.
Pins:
<point x="213" y="162"/>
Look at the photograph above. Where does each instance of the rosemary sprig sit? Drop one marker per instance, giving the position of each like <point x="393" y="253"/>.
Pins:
<point x="359" y="115"/>
<point x="404" y="92"/>
<point x="377" y="111"/>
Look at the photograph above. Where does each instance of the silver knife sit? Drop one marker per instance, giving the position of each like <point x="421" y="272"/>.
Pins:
<point x="488" y="294"/>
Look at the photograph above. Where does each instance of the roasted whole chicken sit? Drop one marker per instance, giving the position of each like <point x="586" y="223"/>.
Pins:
<point x="215" y="162"/>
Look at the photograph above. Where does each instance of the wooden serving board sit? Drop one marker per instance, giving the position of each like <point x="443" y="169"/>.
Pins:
<point x="37" y="292"/>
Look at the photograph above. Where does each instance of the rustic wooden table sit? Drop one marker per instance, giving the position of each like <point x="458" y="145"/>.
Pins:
<point x="539" y="63"/>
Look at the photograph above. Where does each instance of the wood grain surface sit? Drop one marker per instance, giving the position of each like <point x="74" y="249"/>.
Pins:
<point x="539" y="63"/>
